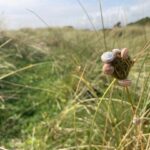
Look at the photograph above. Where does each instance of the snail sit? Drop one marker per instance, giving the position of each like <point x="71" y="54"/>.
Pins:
<point x="118" y="63"/>
<point x="108" y="69"/>
<point x="107" y="57"/>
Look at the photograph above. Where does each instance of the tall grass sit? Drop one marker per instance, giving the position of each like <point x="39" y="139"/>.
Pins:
<point x="54" y="95"/>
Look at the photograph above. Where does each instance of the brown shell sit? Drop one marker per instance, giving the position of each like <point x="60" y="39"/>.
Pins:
<point x="108" y="69"/>
<point x="124" y="53"/>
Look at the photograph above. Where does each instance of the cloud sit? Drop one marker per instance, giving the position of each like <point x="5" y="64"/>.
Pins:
<point x="69" y="12"/>
<point x="114" y="14"/>
<point x="139" y="10"/>
<point x="16" y="3"/>
<point x="58" y="12"/>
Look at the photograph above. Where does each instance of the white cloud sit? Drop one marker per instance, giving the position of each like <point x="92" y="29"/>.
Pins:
<point x="15" y="3"/>
<point x="139" y="10"/>
<point x="57" y="12"/>
<point x="65" y="12"/>
<point x="125" y="14"/>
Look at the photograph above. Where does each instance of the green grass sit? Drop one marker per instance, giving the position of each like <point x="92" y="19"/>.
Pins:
<point x="142" y="22"/>
<point x="54" y="96"/>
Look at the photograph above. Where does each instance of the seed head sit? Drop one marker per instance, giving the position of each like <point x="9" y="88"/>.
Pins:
<point x="118" y="64"/>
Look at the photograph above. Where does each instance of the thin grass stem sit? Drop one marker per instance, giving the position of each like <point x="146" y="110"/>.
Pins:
<point x="95" y="114"/>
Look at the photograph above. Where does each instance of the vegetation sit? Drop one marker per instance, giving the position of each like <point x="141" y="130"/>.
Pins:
<point x="142" y="22"/>
<point x="54" y="96"/>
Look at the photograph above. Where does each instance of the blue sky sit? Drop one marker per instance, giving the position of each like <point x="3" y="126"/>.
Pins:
<point x="14" y="13"/>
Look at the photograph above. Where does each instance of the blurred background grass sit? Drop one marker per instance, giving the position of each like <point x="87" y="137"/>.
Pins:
<point x="44" y="102"/>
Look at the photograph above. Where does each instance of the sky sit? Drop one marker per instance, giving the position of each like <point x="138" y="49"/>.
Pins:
<point x="16" y="14"/>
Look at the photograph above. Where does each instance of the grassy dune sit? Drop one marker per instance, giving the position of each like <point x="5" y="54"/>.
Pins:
<point x="54" y="96"/>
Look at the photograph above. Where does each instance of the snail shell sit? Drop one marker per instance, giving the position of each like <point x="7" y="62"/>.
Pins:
<point x="124" y="53"/>
<point x="116" y="51"/>
<point x="107" y="57"/>
<point x="125" y="82"/>
<point x="108" y="69"/>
